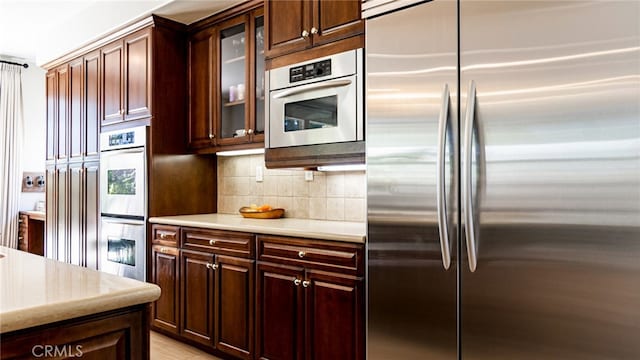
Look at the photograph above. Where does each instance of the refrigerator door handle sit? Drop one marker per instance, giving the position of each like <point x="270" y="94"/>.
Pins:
<point x="443" y="121"/>
<point x="472" y="249"/>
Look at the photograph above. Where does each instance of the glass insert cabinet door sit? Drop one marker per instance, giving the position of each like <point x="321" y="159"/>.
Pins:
<point x="241" y="79"/>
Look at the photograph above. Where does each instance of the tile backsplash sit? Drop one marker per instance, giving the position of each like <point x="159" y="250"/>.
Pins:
<point x="329" y="196"/>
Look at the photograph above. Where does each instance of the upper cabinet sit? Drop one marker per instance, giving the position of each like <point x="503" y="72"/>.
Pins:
<point x="226" y="82"/>
<point x="126" y="74"/>
<point x="309" y="23"/>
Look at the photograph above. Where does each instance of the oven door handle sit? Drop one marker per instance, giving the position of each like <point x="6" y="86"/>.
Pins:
<point x="310" y="87"/>
<point x="111" y="220"/>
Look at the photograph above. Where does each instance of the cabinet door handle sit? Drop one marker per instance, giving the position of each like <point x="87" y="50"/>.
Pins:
<point x="163" y="236"/>
<point x="314" y="30"/>
<point x="301" y="254"/>
<point x="212" y="242"/>
<point x="212" y="136"/>
<point x="306" y="283"/>
<point x="250" y="131"/>
<point x="163" y="249"/>
<point x="297" y="282"/>
<point x="212" y="266"/>
<point x="305" y="34"/>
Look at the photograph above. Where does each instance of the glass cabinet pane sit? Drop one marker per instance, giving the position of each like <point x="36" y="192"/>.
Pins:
<point x="232" y="81"/>
<point x="259" y="75"/>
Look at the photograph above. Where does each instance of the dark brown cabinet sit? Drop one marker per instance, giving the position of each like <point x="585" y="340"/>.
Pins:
<point x="280" y="312"/>
<point x="309" y="23"/>
<point x="31" y="232"/>
<point x="126" y="74"/>
<point x="61" y="200"/>
<point x="91" y="96"/>
<point x="75" y="209"/>
<point x="166" y="274"/>
<point x="62" y="95"/>
<point x="226" y="81"/>
<point x="52" y="123"/>
<point x="234" y="296"/>
<point x="90" y="215"/>
<point x="198" y="306"/>
<point x="75" y="102"/>
<point x="301" y="284"/>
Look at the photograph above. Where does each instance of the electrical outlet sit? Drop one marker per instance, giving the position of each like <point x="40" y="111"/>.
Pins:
<point x="308" y="175"/>
<point x="259" y="174"/>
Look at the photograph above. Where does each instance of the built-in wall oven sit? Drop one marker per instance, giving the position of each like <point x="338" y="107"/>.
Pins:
<point x="123" y="202"/>
<point x="316" y="102"/>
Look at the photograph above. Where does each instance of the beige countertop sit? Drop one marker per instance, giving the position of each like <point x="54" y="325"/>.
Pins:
<point x="35" y="290"/>
<point x="38" y="215"/>
<point x="314" y="229"/>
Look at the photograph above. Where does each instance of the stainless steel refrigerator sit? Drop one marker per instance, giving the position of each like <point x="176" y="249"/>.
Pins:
<point x="503" y="166"/>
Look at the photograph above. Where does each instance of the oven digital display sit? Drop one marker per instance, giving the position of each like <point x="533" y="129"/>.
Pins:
<point x="121" y="182"/>
<point x="122" y="138"/>
<point x="121" y="251"/>
<point x="310" y="71"/>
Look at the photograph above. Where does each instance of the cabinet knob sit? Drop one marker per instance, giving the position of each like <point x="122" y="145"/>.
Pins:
<point x="306" y="283"/>
<point x="212" y="242"/>
<point x="250" y="131"/>
<point x="212" y="136"/>
<point x="163" y="249"/>
<point x="301" y="254"/>
<point x="297" y="282"/>
<point x="121" y="112"/>
<point x="314" y="30"/>
<point x="163" y="236"/>
<point x="305" y="33"/>
<point x="212" y="266"/>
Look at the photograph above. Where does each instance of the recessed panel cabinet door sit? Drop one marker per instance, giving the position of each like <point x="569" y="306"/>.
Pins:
<point x="112" y="66"/>
<point x="335" y="20"/>
<point x="61" y="213"/>
<point x="285" y="23"/>
<point x="76" y="246"/>
<point x="62" y="111"/>
<point x="76" y="112"/>
<point x="198" y="303"/>
<point x="166" y="276"/>
<point x="91" y="103"/>
<point x="234" y="295"/>
<point x="91" y="214"/>
<point x="201" y="80"/>
<point x="52" y="99"/>
<point x="280" y="312"/>
<point x="51" y="235"/>
<point x="137" y="62"/>
<point x="340" y="335"/>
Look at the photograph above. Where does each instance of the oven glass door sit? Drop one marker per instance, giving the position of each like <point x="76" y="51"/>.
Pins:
<point x="122" y="182"/>
<point x="317" y="113"/>
<point x="122" y="247"/>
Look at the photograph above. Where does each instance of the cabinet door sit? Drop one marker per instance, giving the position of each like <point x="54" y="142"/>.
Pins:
<point x="198" y="302"/>
<point x="202" y="47"/>
<point x="280" y="312"/>
<point x="166" y="274"/>
<point x="52" y="122"/>
<point x="51" y="223"/>
<point x="233" y="63"/>
<point x="286" y="20"/>
<point x="137" y="75"/>
<point x="234" y="296"/>
<point x="91" y="104"/>
<point x="335" y="20"/>
<point x="75" y="210"/>
<point x="257" y="114"/>
<point x="91" y="214"/>
<point x="112" y="64"/>
<point x="61" y="213"/>
<point x="76" y="111"/>
<point x="339" y="336"/>
<point x="62" y="114"/>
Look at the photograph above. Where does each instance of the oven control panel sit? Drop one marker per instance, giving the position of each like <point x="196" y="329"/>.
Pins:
<point x="310" y="71"/>
<point x="125" y="138"/>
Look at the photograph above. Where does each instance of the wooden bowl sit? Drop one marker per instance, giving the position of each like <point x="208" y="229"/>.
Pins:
<point x="254" y="214"/>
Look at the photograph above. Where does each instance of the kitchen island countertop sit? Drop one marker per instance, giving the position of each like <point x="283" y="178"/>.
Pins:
<point x="35" y="291"/>
<point x="314" y="229"/>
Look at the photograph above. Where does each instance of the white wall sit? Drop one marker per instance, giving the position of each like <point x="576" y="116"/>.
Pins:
<point x="35" y="129"/>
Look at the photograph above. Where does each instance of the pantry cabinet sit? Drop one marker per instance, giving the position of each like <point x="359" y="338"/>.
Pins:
<point x="226" y="80"/>
<point x="310" y="23"/>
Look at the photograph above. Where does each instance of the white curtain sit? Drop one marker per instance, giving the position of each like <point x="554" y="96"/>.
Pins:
<point x="10" y="145"/>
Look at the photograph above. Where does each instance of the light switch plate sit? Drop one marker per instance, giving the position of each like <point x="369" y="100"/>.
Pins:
<point x="308" y="175"/>
<point x="259" y="174"/>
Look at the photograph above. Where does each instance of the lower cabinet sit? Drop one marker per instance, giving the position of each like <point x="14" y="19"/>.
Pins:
<point x="166" y="274"/>
<point x="302" y="299"/>
<point x="197" y="284"/>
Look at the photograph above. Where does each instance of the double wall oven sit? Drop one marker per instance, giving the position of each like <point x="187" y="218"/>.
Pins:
<point x="123" y="202"/>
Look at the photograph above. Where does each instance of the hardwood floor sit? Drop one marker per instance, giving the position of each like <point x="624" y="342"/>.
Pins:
<point x="165" y="348"/>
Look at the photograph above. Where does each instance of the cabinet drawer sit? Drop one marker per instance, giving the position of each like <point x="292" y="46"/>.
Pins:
<point x="165" y="235"/>
<point x="220" y="242"/>
<point x="325" y="255"/>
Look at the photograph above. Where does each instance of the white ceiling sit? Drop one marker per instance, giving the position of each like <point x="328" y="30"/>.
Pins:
<point x="42" y="30"/>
